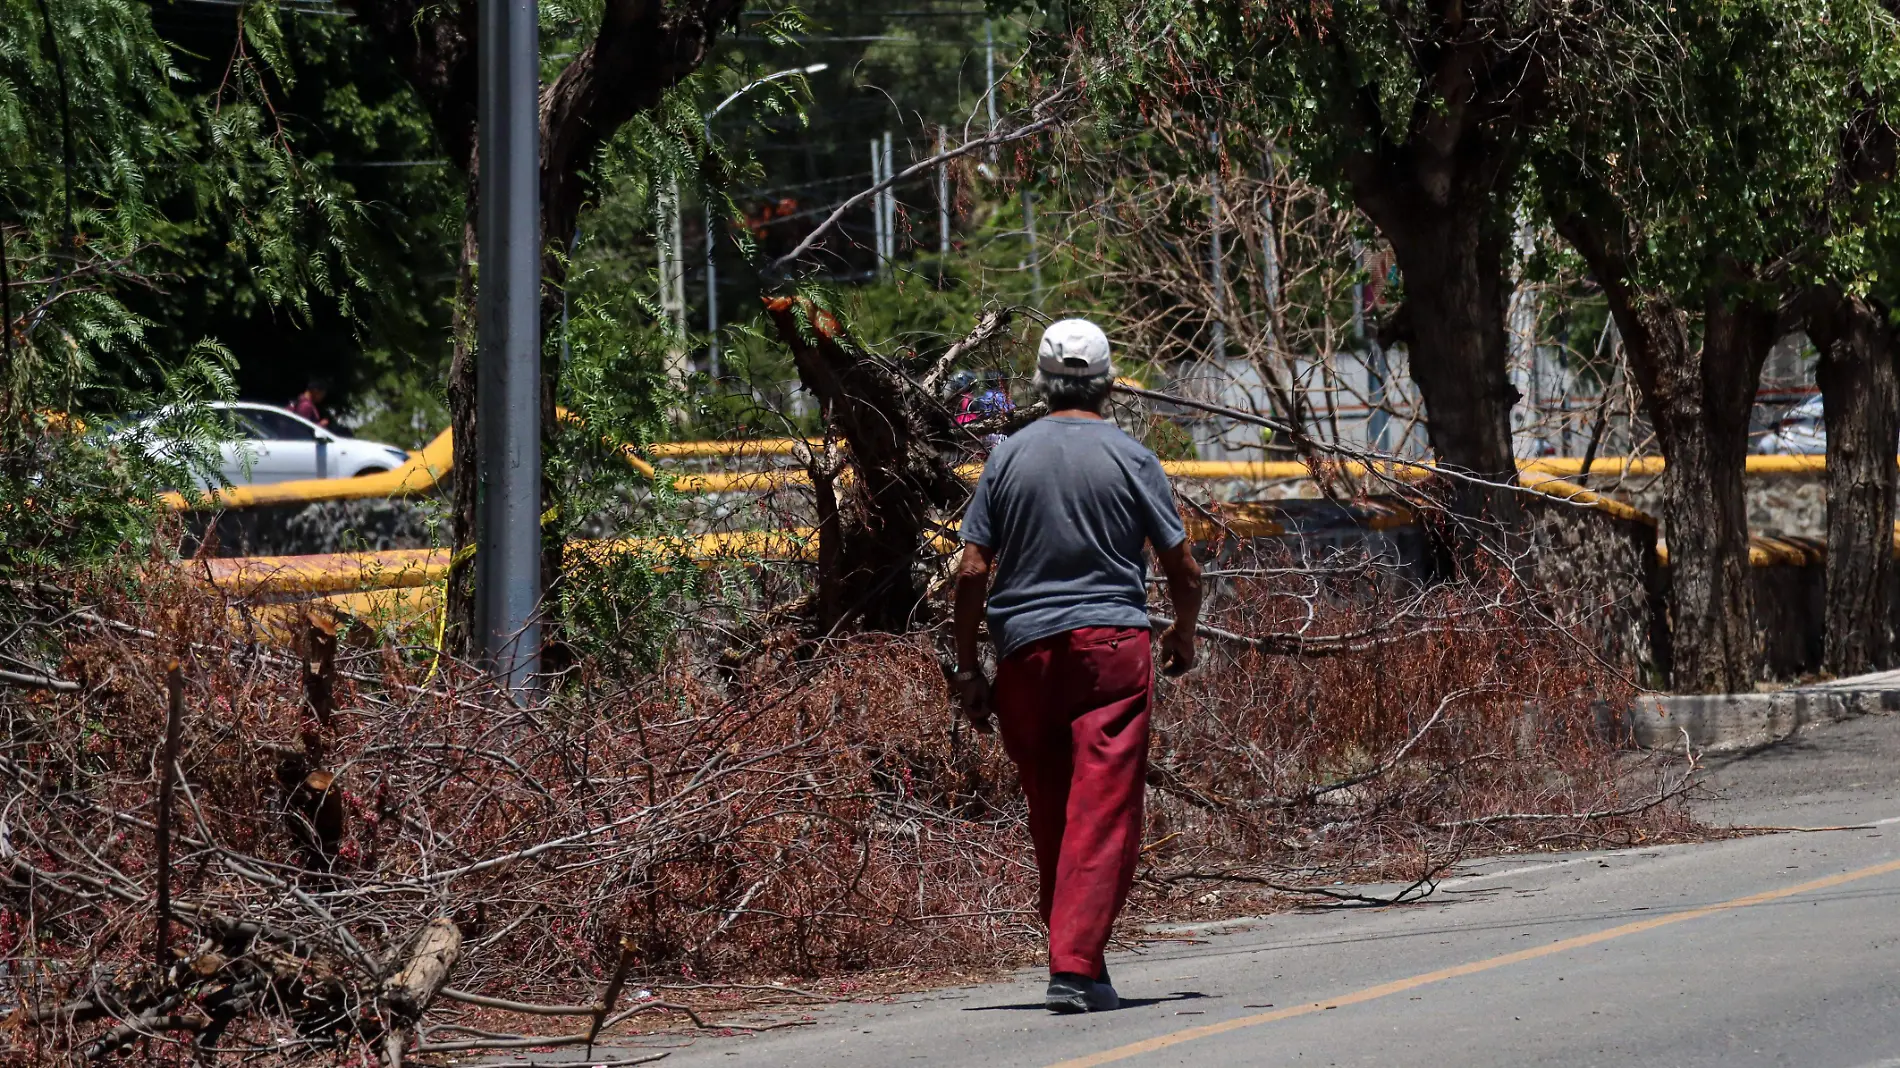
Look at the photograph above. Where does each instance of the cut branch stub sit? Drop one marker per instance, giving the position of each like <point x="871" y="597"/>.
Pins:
<point x="319" y="676"/>
<point x="316" y="814"/>
<point x="903" y="445"/>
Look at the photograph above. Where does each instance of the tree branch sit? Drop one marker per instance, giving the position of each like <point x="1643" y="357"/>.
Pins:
<point x="1047" y="122"/>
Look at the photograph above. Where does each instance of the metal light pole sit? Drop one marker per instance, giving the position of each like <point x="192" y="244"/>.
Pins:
<point x="712" y="238"/>
<point x="877" y="211"/>
<point x="508" y="345"/>
<point x="889" y="201"/>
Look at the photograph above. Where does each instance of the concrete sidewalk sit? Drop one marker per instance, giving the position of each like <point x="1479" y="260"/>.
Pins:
<point x="1743" y="720"/>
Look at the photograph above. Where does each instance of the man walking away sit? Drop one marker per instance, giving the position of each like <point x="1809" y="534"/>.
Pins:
<point x="1063" y="512"/>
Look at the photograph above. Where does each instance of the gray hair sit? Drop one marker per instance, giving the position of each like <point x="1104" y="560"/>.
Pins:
<point x="1087" y="393"/>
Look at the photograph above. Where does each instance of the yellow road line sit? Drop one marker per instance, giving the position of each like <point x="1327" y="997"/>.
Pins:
<point x="1400" y="986"/>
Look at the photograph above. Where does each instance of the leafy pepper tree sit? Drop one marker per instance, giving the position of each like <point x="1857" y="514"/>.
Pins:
<point x="105" y="161"/>
<point x="1421" y="112"/>
<point x="1695" y="165"/>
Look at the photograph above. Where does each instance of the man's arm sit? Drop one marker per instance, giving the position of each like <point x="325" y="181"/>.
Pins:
<point x="1184" y="589"/>
<point x="973" y="590"/>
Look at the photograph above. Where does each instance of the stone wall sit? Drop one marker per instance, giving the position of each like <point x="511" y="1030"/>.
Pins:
<point x="1778" y="505"/>
<point x="322" y="527"/>
<point x="1596" y="574"/>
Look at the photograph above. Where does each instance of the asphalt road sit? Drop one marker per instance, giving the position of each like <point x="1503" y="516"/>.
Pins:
<point x="1780" y="949"/>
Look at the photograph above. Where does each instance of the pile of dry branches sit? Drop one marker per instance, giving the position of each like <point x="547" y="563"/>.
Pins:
<point x="359" y="857"/>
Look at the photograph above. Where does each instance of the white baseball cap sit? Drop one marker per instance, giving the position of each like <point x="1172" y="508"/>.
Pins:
<point x="1074" y="347"/>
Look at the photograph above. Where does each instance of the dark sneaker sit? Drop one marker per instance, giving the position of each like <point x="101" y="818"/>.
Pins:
<point x="1069" y="992"/>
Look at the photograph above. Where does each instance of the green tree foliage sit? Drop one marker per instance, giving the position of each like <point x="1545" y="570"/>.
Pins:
<point x="1702" y="168"/>
<point x="1418" y="111"/>
<point x="106" y="164"/>
<point x="347" y="116"/>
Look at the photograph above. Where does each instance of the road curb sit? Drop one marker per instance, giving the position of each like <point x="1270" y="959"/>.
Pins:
<point x="1716" y="722"/>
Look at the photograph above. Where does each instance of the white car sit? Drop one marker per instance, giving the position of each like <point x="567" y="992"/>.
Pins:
<point x="270" y="444"/>
<point x="1801" y="432"/>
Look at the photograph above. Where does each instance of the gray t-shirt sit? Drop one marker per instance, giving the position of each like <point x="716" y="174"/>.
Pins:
<point x="1066" y="503"/>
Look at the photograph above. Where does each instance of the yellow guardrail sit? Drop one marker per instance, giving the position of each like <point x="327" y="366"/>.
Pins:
<point x="415" y="476"/>
<point x="404" y="586"/>
<point x="434" y="462"/>
<point x="247" y="577"/>
<point x="689" y="450"/>
<point x="431" y="464"/>
<point x="1553" y="485"/>
<point x="394" y="569"/>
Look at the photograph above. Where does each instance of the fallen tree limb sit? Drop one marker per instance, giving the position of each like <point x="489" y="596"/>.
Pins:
<point x="43" y="682"/>
<point x="430" y="956"/>
<point x="1287" y="644"/>
<point x="526" y="1008"/>
<point x="584" y="1038"/>
<point x="1398" y="754"/>
<point x="1422" y="888"/>
<point x="1639" y="807"/>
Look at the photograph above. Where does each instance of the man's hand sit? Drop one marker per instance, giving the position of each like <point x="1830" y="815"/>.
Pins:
<point x="973" y="699"/>
<point x="972" y="695"/>
<point x="1177" y="649"/>
<point x="1184" y="589"/>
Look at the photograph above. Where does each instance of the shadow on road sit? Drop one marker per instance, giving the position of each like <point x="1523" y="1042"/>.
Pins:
<point x="1127" y="1003"/>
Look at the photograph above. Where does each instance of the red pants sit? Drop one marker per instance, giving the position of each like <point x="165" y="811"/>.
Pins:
<point x="1073" y="709"/>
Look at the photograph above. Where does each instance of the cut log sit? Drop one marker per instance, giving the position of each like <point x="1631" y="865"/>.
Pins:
<point x="429" y="959"/>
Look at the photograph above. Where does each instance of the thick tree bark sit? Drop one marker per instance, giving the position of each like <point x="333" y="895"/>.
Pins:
<point x="1456" y="292"/>
<point x="1698" y="399"/>
<point x="1438" y="188"/>
<point x="1861" y="396"/>
<point x="643" y="48"/>
<point x="1700" y="410"/>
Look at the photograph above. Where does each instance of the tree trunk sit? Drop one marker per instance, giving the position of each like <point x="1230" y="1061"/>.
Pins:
<point x="1455" y="293"/>
<point x="900" y="476"/>
<point x="641" y="50"/>
<point x="465" y="486"/>
<point x="1700" y="408"/>
<point x="897" y="472"/>
<point x="1699" y="401"/>
<point x="1861" y="396"/>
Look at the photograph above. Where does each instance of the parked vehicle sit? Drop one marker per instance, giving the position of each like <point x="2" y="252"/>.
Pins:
<point x="269" y="444"/>
<point x="1802" y="431"/>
